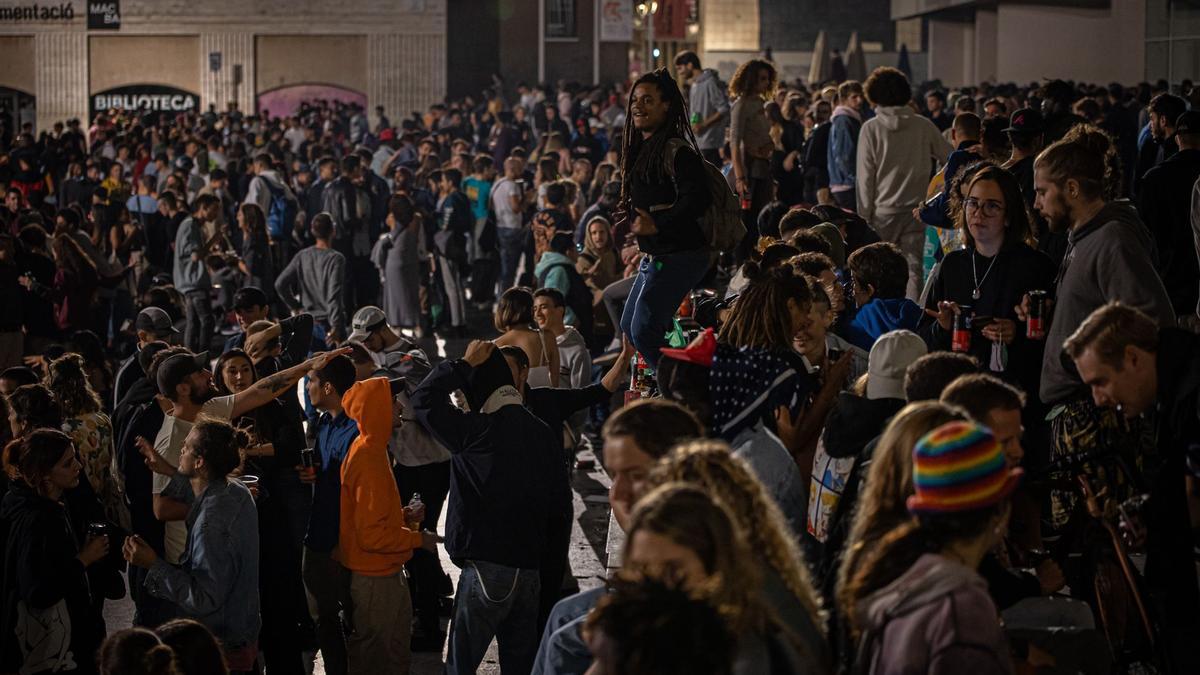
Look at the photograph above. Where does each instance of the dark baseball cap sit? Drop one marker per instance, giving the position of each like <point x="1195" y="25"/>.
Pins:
<point x="249" y="296"/>
<point x="1188" y="123"/>
<point x="155" y="320"/>
<point x="1026" y="120"/>
<point x="175" y="369"/>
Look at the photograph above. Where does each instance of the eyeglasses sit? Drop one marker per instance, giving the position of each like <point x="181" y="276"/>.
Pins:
<point x="991" y="208"/>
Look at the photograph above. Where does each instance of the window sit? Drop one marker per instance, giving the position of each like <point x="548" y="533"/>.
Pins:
<point x="560" y="18"/>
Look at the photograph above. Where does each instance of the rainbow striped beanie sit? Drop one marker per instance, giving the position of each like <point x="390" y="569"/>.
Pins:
<point x="959" y="467"/>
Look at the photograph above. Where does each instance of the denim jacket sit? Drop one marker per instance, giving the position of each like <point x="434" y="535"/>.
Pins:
<point x="216" y="581"/>
<point x="843" y="147"/>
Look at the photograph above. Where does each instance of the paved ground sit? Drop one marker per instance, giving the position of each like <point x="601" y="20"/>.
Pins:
<point x="590" y="537"/>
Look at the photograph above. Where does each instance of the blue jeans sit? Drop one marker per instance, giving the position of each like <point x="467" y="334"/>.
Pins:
<point x="662" y="282"/>
<point x="512" y="245"/>
<point x="494" y="601"/>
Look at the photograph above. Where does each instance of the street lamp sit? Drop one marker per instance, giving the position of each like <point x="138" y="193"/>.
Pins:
<point x="646" y="10"/>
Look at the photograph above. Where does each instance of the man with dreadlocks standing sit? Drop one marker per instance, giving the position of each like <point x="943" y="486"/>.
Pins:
<point x="665" y="194"/>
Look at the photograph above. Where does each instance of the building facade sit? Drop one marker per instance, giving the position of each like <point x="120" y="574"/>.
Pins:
<point x="1097" y="41"/>
<point x="583" y="41"/>
<point x="178" y="54"/>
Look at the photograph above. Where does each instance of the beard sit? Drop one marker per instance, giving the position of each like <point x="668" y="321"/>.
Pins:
<point x="200" y="398"/>
<point x="1060" y="220"/>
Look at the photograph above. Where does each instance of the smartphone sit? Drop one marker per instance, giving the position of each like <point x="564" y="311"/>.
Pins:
<point x="978" y="323"/>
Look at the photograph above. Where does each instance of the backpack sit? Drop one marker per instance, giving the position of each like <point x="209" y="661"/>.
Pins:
<point x="722" y="221"/>
<point x="281" y="214"/>
<point x="578" y="297"/>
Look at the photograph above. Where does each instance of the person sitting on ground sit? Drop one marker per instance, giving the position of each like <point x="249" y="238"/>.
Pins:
<point x="635" y="437"/>
<point x="886" y="485"/>
<point x="858" y="416"/>
<point x="787" y="589"/>
<point x="879" y="276"/>
<point x="196" y="650"/>
<point x="916" y="602"/>
<point x="549" y="311"/>
<point x="136" y="651"/>
<point x="650" y="627"/>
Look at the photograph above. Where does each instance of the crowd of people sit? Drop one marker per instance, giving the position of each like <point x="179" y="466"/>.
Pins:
<point x="885" y="378"/>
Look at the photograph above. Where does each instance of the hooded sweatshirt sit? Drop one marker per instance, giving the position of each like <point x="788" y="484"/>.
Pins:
<point x="1109" y="258"/>
<point x="897" y="151"/>
<point x="935" y="618"/>
<point x="503" y="466"/>
<point x="879" y="316"/>
<point x="372" y="537"/>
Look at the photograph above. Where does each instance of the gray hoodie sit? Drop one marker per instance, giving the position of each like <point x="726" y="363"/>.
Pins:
<point x="936" y="618"/>
<point x="1110" y="258"/>
<point x="705" y="97"/>
<point x="897" y="152"/>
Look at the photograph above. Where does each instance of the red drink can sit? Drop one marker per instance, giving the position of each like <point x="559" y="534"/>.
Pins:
<point x="960" y="337"/>
<point x="1035" y="323"/>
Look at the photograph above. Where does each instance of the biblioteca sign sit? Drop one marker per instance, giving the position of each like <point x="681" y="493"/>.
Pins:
<point x="144" y="97"/>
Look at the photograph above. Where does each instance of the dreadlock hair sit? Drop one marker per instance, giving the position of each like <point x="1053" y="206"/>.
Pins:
<point x="711" y="466"/>
<point x="761" y="318"/>
<point x="644" y="158"/>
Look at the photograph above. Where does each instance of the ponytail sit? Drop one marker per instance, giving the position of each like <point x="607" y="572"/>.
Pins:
<point x="1088" y="155"/>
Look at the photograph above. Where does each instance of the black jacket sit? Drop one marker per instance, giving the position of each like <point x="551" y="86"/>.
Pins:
<point x="555" y="407"/>
<point x="43" y="587"/>
<point x="1165" y="205"/>
<point x="1016" y="271"/>
<point x="677" y="205"/>
<point x="1170" y="567"/>
<point x="503" y="466"/>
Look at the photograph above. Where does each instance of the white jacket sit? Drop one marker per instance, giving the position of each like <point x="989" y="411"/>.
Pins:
<point x="898" y="151"/>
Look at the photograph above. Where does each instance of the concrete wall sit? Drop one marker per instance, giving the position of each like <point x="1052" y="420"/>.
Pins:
<point x="114" y="61"/>
<point x="16" y="63"/>
<point x="952" y="52"/>
<point x="729" y="26"/>
<point x="302" y="59"/>
<point x="1090" y="45"/>
<point x="985" y="46"/>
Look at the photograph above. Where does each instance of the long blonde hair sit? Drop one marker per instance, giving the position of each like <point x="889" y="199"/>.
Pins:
<point x="882" y="502"/>
<point x="711" y="466"/>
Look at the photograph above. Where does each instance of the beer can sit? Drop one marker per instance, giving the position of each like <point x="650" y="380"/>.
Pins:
<point x="1035" y="322"/>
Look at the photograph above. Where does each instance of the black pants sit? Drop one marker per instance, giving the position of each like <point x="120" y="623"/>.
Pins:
<point x="197" y="335"/>
<point x="427" y="581"/>
<point x="760" y="196"/>
<point x="554" y="561"/>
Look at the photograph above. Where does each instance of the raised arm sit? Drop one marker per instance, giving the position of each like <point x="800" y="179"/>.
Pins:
<point x="273" y="386"/>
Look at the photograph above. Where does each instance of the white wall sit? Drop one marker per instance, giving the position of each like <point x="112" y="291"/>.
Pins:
<point x="985" y="46"/>
<point x="952" y="52"/>
<point x="1090" y="45"/>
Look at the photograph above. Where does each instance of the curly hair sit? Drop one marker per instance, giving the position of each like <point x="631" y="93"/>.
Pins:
<point x="742" y="82"/>
<point x="66" y="377"/>
<point x="219" y="445"/>
<point x="711" y="466"/>
<point x="887" y="87"/>
<point x="888" y="484"/>
<point x="689" y="517"/>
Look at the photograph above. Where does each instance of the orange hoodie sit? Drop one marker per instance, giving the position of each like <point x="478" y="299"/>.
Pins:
<point x="372" y="537"/>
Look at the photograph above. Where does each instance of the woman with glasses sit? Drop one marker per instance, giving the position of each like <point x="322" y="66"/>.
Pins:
<point x="984" y="281"/>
